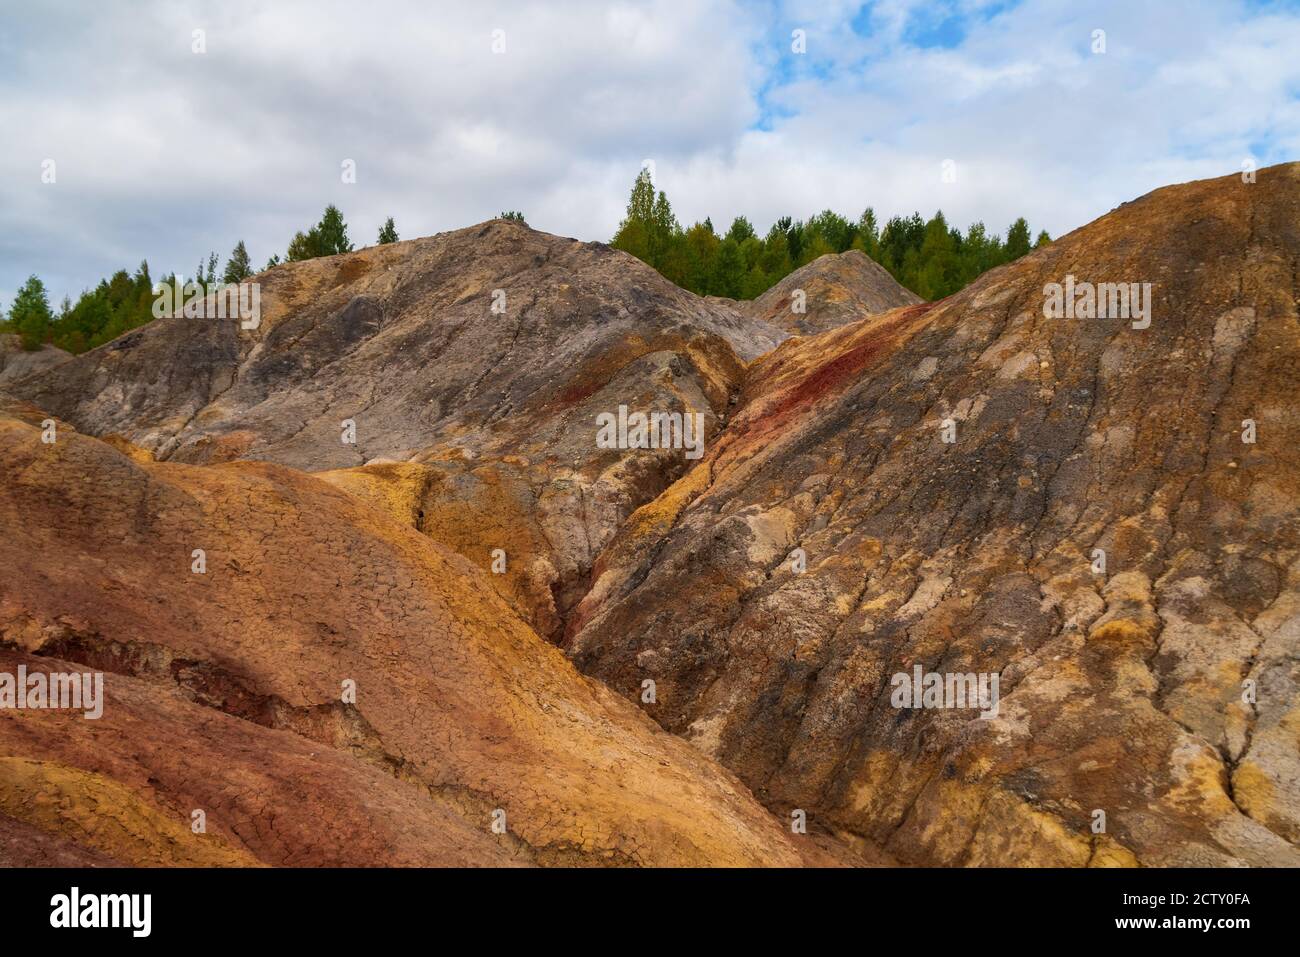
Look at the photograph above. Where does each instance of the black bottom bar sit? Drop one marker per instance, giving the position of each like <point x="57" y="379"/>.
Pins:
<point x="370" y="906"/>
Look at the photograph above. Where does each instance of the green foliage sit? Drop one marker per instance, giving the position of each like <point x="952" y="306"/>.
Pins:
<point x="332" y="232"/>
<point x="116" y="305"/>
<point x="866" y="238"/>
<point x="740" y="230"/>
<point x="813" y="246"/>
<point x="125" y="301"/>
<point x="637" y="234"/>
<point x="514" y="215"/>
<point x="701" y="251"/>
<point x="238" y="268"/>
<point x="729" y="273"/>
<point x="304" y="246"/>
<point x="1018" y="239"/>
<point x="775" y="259"/>
<point x="930" y="257"/>
<point x="329" y="237"/>
<point x="827" y="232"/>
<point x="30" y="314"/>
<point x="208" y="277"/>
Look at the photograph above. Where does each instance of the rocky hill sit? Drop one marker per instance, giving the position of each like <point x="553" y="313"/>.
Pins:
<point x="454" y="380"/>
<point x="1100" y="512"/>
<point x="831" y="291"/>
<point x="471" y="338"/>
<point x="1092" y="518"/>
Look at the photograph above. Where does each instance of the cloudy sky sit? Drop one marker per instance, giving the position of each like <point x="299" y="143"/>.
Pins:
<point x="164" y="153"/>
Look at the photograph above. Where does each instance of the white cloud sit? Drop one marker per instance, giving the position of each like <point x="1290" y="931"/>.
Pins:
<point x="164" y="154"/>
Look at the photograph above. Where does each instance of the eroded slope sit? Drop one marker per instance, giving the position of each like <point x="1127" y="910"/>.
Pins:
<point x="226" y="687"/>
<point x="483" y="355"/>
<point x="1162" y="691"/>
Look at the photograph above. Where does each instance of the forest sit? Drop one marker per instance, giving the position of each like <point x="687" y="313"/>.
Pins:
<point x="931" y="258"/>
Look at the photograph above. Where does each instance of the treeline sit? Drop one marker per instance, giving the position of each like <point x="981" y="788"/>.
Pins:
<point x="930" y="258"/>
<point x="116" y="305"/>
<point x="125" y="300"/>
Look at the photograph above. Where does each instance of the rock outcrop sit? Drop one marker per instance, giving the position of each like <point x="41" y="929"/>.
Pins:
<point x="16" y="362"/>
<point x="227" y="687"/>
<point x="481" y="357"/>
<point x="1101" y="515"/>
<point x="473" y="339"/>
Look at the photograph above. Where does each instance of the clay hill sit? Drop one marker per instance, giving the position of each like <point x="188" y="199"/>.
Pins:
<point x="1160" y="691"/>
<point x="225" y="688"/>
<point x="903" y="486"/>
<point x="837" y="289"/>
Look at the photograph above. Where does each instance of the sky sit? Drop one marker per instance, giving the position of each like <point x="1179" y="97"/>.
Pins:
<point x="164" y="144"/>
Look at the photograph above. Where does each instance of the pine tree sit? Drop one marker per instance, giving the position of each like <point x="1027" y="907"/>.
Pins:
<point x="740" y="230"/>
<point x="675" y="259"/>
<point x="664" y="228"/>
<point x="1042" y="240"/>
<point x="867" y="237"/>
<point x="978" y="253"/>
<point x="634" y="233"/>
<point x="775" y="258"/>
<point x="755" y="283"/>
<point x="30" y="314"/>
<point x="387" y="232"/>
<point x="729" y="276"/>
<point x="833" y="228"/>
<point x="1017" y="239"/>
<point x="814" y="246"/>
<point x="641" y="205"/>
<point x="329" y="237"/>
<point x="633" y="237"/>
<point x="239" y="267"/>
<point x="938" y="271"/>
<point x="702" y="253"/>
<point x="794" y="238"/>
<point x="304" y="246"/>
<point x="332" y="233"/>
